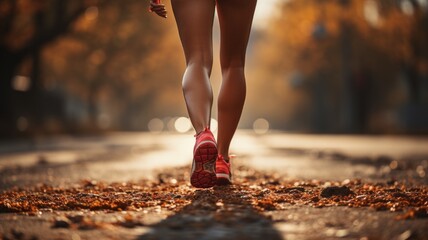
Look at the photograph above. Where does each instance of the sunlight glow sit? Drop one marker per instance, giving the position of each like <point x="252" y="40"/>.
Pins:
<point x="182" y="125"/>
<point x="423" y="3"/>
<point x="407" y="7"/>
<point x="371" y="13"/>
<point x="214" y="125"/>
<point x="265" y="10"/>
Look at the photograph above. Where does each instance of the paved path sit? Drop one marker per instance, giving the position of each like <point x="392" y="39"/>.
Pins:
<point x="130" y="156"/>
<point x="121" y="157"/>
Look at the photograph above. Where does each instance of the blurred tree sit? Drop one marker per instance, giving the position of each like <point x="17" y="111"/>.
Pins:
<point x="25" y="28"/>
<point x="120" y="62"/>
<point x="349" y="56"/>
<point x="88" y="63"/>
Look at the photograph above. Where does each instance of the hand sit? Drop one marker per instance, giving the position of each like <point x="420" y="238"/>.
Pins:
<point x="158" y="8"/>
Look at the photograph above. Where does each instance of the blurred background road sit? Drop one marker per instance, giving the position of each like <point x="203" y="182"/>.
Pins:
<point x="118" y="157"/>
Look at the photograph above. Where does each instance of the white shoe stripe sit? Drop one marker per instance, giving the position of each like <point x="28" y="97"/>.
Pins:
<point x="223" y="175"/>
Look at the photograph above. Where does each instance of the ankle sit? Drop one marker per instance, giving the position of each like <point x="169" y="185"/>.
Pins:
<point x="226" y="159"/>
<point x="206" y="129"/>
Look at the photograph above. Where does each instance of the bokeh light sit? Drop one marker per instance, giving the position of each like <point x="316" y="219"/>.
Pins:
<point x="21" y="83"/>
<point x="155" y="125"/>
<point x="371" y="13"/>
<point x="261" y="126"/>
<point x="91" y="13"/>
<point x="169" y="124"/>
<point x="182" y="125"/>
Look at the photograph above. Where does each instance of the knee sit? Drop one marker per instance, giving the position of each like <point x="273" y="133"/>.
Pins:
<point x="200" y="61"/>
<point x="232" y="64"/>
<point x="233" y="69"/>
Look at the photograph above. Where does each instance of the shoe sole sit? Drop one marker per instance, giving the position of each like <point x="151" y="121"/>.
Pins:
<point x="223" y="179"/>
<point x="203" y="170"/>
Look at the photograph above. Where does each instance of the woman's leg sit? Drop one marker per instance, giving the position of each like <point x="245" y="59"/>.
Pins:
<point x="235" y="17"/>
<point x="195" y="21"/>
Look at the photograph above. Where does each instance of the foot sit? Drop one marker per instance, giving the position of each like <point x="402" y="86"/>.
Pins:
<point x="204" y="160"/>
<point x="223" y="174"/>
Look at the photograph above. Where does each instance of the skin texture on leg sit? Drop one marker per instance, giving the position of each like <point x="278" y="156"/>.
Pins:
<point x="235" y="17"/>
<point x="195" y="21"/>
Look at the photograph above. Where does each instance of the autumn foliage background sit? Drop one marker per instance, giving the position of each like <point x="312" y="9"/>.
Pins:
<point x="331" y="66"/>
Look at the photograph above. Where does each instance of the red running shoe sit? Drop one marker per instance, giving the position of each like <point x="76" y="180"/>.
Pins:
<point x="224" y="176"/>
<point x="204" y="158"/>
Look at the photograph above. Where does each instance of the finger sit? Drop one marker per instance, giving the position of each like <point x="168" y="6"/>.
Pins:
<point x="157" y="5"/>
<point x="157" y="8"/>
<point x="153" y="8"/>
<point x="162" y="11"/>
<point x="162" y="14"/>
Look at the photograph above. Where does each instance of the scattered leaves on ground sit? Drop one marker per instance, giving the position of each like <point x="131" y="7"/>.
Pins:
<point x="252" y="191"/>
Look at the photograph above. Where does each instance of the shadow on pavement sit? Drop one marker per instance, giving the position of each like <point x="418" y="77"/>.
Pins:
<point x="224" y="212"/>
